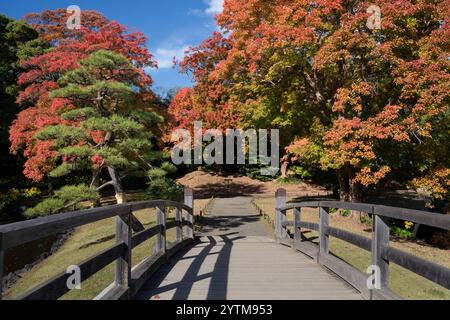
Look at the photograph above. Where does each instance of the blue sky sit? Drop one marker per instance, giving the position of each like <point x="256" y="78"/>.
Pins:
<point x="171" y="26"/>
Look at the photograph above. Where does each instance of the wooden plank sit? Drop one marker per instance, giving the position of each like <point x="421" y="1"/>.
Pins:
<point x="308" y="248"/>
<point x="122" y="275"/>
<point x="2" y="270"/>
<point x="305" y="204"/>
<point x="187" y="224"/>
<point x="114" y="292"/>
<point x="347" y="272"/>
<point x="297" y="228"/>
<point x="323" y="236"/>
<point x="427" y="269"/>
<point x="245" y="270"/>
<point x="55" y="287"/>
<point x="350" y="237"/>
<point x="142" y="272"/>
<point x="189" y="202"/>
<point x="280" y="214"/>
<point x="309" y="225"/>
<point x="288" y="223"/>
<point x="172" y="224"/>
<point x="142" y="236"/>
<point x="135" y="206"/>
<point x="380" y="239"/>
<point x="15" y="234"/>
<point x="179" y="219"/>
<point x="363" y="207"/>
<point x="160" y="244"/>
<point x="436" y="220"/>
<point x="385" y="294"/>
<point x="302" y="224"/>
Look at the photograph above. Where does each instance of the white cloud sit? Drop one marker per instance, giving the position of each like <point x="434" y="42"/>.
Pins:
<point x="195" y="12"/>
<point x="214" y="7"/>
<point x="164" y="56"/>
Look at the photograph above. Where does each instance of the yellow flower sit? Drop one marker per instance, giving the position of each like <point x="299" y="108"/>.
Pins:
<point x="32" y="192"/>
<point x="408" y="225"/>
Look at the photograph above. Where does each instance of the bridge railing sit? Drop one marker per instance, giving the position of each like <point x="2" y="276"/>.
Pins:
<point x="378" y="245"/>
<point x="127" y="280"/>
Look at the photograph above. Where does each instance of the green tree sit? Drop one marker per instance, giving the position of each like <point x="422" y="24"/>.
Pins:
<point x="106" y="124"/>
<point x="17" y="40"/>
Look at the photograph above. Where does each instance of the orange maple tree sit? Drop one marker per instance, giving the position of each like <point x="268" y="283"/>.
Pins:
<point x="364" y="102"/>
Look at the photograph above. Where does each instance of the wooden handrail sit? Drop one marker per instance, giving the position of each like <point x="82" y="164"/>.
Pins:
<point x="127" y="280"/>
<point x="382" y="253"/>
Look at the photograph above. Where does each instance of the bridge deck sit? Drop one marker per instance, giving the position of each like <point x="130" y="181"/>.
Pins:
<point x="236" y="258"/>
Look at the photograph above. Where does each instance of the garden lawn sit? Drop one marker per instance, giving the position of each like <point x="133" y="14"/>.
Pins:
<point x="85" y="242"/>
<point x="402" y="281"/>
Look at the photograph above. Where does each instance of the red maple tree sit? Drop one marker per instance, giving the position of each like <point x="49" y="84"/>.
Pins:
<point x="67" y="48"/>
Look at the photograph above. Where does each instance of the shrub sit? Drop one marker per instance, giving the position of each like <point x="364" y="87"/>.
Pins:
<point x="14" y="198"/>
<point x="402" y="233"/>
<point x="164" y="188"/>
<point x="62" y="200"/>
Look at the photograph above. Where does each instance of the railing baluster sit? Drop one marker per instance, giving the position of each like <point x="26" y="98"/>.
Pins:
<point x="323" y="236"/>
<point x="179" y="228"/>
<point x="123" y="264"/>
<point x="280" y="216"/>
<point x="297" y="229"/>
<point x="2" y="269"/>
<point x="380" y="240"/>
<point x="161" y="237"/>
<point x="189" y="201"/>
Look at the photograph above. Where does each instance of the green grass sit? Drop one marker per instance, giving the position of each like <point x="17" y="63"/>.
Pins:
<point x="289" y="180"/>
<point x="402" y="281"/>
<point x="86" y="242"/>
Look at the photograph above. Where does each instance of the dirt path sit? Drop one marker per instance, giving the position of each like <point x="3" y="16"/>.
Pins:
<point x="234" y="216"/>
<point x="207" y="184"/>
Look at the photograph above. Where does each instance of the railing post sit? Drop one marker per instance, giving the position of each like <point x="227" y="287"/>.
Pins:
<point x="179" y="228"/>
<point x="380" y="240"/>
<point x="297" y="230"/>
<point x="2" y="265"/>
<point x="189" y="201"/>
<point x="2" y="269"/>
<point x="280" y="216"/>
<point x="161" y="236"/>
<point x="323" y="236"/>
<point x="123" y="264"/>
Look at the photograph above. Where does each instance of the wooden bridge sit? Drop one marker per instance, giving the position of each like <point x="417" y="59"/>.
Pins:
<point x="235" y="256"/>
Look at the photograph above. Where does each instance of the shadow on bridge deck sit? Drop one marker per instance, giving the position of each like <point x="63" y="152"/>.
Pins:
<point x="236" y="259"/>
<point x="241" y="268"/>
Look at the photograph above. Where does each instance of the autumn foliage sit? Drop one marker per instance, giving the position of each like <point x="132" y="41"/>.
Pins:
<point x="367" y="103"/>
<point x="66" y="49"/>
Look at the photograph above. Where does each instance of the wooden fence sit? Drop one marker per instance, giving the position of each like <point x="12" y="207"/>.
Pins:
<point x="378" y="245"/>
<point x="127" y="280"/>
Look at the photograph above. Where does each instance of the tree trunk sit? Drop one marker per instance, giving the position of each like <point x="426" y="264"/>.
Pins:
<point x="96" y="184"/>
<point x="117" y="184"/>
<point x="344" y="186"/>
<point x="284" y="169"/>
<point x="349" y="189"/>
<point x="136" y="225"/>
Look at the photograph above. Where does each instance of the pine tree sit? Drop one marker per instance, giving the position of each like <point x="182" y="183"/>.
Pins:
<point x="106" y="125"/>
